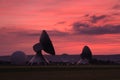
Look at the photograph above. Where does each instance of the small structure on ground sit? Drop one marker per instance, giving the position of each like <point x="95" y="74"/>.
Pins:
<point x="18" y="58"/>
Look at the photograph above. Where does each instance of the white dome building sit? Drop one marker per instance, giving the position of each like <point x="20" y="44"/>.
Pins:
<point x="18" y="58"/>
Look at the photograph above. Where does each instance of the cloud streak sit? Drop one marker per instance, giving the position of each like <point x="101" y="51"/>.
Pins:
<point x="117" y="7"/>
<point x="84" y="28"/>
<point x="24" y="33"/>
<point x="95" y="19"/>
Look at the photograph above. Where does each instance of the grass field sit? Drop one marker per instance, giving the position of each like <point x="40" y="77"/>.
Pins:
<point x="81" y="72"/>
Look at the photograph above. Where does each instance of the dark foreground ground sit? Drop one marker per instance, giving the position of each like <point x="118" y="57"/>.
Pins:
<point x="81" y="72"/>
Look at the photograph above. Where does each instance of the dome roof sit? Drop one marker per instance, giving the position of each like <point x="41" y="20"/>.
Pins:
<point x="18" y="58"/>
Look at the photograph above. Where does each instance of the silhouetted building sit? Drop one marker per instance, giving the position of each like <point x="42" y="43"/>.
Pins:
<point x="18" y="58"/>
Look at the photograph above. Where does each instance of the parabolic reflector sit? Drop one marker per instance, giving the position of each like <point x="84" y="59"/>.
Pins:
<point x="46" y="43"/>
<point x="86" y="53"/>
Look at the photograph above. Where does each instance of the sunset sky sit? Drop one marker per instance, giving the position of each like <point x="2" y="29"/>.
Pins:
<point x="71" y="24"/>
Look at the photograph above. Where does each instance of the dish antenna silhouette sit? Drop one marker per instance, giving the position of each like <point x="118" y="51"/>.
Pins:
<point x="44" y="44"/>
<point x="86" y="56"/>
<point x="86" y="53"/>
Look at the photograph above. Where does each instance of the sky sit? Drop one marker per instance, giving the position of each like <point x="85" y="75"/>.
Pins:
<point x="71" y="24"/>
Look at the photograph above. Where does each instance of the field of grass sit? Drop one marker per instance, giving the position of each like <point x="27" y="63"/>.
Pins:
<point x="81" y="72"/>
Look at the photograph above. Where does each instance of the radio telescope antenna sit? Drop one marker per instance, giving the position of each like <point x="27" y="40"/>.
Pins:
<point x="44" y="44"/>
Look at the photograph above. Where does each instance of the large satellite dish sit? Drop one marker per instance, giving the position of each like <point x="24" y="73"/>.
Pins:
<point x="44" y="44"/>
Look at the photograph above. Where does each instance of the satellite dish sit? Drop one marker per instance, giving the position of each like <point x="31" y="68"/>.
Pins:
<point x="86" y="56"/>
<point x="44" y="44"/>
<point x="86" y="53"/>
